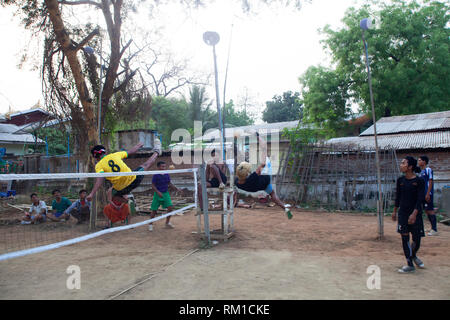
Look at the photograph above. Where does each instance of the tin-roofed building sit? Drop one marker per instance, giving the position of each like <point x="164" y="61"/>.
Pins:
<point x="415" y="135"/>
<point x="15" y="140"/>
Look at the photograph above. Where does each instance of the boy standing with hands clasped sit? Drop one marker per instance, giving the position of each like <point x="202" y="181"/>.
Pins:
<point x="161" y="184"/>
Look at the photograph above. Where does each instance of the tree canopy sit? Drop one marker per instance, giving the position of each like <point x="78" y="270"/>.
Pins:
<point x="286" y="107"/>
<point x="71" y="47"/>
<point x="409" y="54"/>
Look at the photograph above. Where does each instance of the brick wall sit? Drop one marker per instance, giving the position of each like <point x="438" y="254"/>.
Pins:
<point x="439" y="160"/>
<point x="440" y="163"/>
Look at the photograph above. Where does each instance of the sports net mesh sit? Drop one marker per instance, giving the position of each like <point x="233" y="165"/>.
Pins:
<point x="23" y="231"/>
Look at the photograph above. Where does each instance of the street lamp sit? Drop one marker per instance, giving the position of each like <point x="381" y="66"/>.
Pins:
<point x="366" y="24"/>
<point x="211" y="38"/>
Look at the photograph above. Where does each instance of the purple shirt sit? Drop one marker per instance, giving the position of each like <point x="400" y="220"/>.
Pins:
<point x="161" y="182"/>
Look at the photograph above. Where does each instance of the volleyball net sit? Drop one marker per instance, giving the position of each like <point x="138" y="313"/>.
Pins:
<point x="40" y="212"/>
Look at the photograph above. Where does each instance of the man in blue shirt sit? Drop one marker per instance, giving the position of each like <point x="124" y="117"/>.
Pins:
<point x="427" y="175"/>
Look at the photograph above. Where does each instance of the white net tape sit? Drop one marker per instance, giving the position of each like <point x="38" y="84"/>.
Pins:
<point x="11" y="177"/>
<point x="21" y="253"/>
<point x="50" y="235"/>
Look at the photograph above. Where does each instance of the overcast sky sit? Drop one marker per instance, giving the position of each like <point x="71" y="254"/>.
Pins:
<point x="268" y="51"/>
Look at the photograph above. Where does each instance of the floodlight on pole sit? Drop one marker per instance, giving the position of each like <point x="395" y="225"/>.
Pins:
<point x="211" y="38"/>
<point x="366" y="24"/>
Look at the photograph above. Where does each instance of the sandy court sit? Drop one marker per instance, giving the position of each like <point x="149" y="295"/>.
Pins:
<point x="316" y="255"/>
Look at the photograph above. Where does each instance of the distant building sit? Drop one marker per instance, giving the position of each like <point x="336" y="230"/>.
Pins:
<point x="415" y="135"/>
<point x="246" y="139"/>
<point x="31" y="116"/>
<point x="16" y="141"/>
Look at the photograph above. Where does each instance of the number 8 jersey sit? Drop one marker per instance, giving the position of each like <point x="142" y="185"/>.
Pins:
<point x="113" y="163"/>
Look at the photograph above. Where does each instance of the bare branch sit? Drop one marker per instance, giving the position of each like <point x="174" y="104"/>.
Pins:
<point x="83" y="42"/>
<point x="80" y="2"/>
<point x="125" y="48"/>
<point x="125" y="82"/>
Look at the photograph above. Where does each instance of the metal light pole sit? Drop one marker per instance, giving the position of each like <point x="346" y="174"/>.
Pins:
<point x="211" y="38"/>
<point x="366" y="24"/>
<point x="225" y="81"/>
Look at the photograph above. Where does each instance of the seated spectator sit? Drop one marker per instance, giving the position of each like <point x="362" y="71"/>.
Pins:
<point x="80" y="209"/>
<point x="215" y="173"/>
<point x="59" y="206"/>
<point x="37" y="213"/>
<point x="116" y="211"/>
<point x="215" y="176"/>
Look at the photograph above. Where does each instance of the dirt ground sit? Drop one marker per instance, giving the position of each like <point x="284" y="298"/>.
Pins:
<point x="316" y="255"/>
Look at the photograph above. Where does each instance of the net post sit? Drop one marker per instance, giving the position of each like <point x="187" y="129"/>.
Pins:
<point x="205" y="201"/>
<point x="195" y="189"/>
<point x="93" y="217"/>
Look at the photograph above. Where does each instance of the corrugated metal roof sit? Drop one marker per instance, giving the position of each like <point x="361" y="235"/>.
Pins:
<point x="248" y="130"/>
<point x="29" y="111"/>
<point x="411" y="123"/>
<point x="19" y="138"/>
<point x="424" y="140"/>
<point x="8" y="128"/>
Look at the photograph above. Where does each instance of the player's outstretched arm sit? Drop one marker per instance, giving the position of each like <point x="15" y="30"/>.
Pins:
<point x="260" y="168"/>
<point x="135" y="148"/>
<point x="98" y="184"/>
<point x="263" y="148"/>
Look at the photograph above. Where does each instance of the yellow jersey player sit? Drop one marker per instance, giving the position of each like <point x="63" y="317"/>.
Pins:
<point x="113" y="162"/>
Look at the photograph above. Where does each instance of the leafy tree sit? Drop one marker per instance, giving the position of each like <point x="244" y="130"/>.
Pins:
<point x="57" y="139"/>
<point x="409" y="57"/>
<point x="70" y="77"/>
<point x="236" y="118"/>
<point x="200" y="111"/>
<point x="69" y="70"/>
<point x="286" y="107"/>
<point x="197" y="103"/>
<point x="326" y="100"/>
<point x="169" y="114"/>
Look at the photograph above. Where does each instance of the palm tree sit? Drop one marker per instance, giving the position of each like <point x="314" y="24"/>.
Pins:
<point x="199" y="107"/>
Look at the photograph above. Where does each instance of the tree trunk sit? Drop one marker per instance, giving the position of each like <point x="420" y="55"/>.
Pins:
<point x="88" y="139"/>
<point x="114" y="24"/>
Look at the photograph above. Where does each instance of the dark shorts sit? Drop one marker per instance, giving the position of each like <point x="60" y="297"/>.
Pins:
<point x="416" y="228"/>
<point x="428" y="206"/>
<point x="81" y="214"/>
<point x="127" y="190"/>
<point x="215" y="182"/>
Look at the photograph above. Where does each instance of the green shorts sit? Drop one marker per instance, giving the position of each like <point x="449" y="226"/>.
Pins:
<point x="165" y="201"/>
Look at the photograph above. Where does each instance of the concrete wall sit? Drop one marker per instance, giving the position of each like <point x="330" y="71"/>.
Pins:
<point x="127" y="139"/>
<point x="16" y="149"/>
<point x="440" y="163"/>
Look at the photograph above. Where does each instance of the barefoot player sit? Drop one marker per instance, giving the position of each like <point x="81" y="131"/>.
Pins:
<point x="256" y="181"/>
